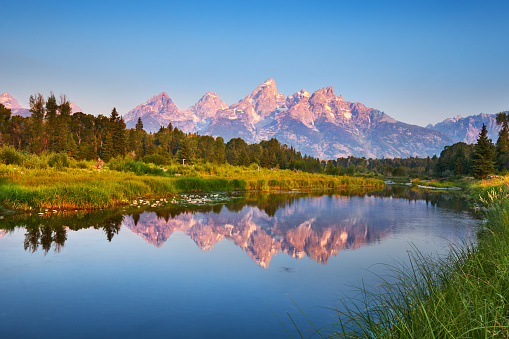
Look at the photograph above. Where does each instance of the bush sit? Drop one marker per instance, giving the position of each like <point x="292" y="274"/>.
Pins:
<point x="9" y="156"/>
<point x="36" y="162"/>
<point x="136" y="167"/>
<point x="59" y="161"/>
<point x="82" y="164"/>
<point x="155" y="159"/>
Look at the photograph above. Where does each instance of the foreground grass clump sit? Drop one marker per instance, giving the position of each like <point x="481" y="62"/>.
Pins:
<point x="55" y="181"/>
<point x="464" y="295"/>
<point x="27" y="189"/>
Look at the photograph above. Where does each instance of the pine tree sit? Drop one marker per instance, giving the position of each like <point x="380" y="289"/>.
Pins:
<point x="51" y="126"/>
<point x="502" y="152"/>
<point x="243" y="158"/>
<point x="36" y="141"/>
<point x="108" y="149"/>
<point x="119" y="138"/>
<point x="185" y="152"/>
<point x="139" y="125"/>
<point x="5" y="117"/>
<point x="219" y="150"/>
<point x="330" y="168"/>
<point x="483" y="155"/>
<point x="63" y="131"/>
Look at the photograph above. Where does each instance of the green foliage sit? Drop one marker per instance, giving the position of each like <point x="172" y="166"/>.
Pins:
<point x="155" y="159"/>
<point x="59" y="161"/>
<point x="139" y="168"/>
<point x="36" y="142"/>
<point x="54" y="180"/>
<point x="483" y="155"/>
<point x="9" y="156"/>
<point x="502" y="150"/>
<point x="454" y="160"/>
<point x="82" y="164"/>
<point x="5" y="122"/>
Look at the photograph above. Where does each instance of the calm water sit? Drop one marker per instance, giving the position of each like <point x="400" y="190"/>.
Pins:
<point x="213" y="271"/>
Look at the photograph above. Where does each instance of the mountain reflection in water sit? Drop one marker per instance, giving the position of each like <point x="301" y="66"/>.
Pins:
<point x="300" y="224"/>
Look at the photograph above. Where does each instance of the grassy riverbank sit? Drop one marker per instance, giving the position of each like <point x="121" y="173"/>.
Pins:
<point x="35" y="183"/>
<point x="465" y="295"/>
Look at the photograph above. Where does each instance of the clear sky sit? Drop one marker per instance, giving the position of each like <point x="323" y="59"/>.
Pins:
<point x="419" y="62"/>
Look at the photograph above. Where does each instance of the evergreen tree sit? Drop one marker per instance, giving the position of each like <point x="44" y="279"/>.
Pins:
<point x="502" y="152"/>
<point x="184" y="153"/>
<point x="108" y="149"/>
<point x="20" y="132"/>
<point x="36" y="142"/>
<point x="219" y="150"/>
<point x="51" y="126"/>
<point x="119" y="138"/>
<point x="483" y="155"/>
<point x="5" y="117"/>
<point x="63" y="120"/>
<point x="101" y="129"/>
<point x="206" y="148"/>
<point x="329" y="168"/>
<point x="243" y="158"/>
<point x="139" y="125"/>
<point x="115" y="143"/>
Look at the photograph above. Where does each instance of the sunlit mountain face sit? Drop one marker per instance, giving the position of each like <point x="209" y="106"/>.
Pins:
<point x="319" y="124"/>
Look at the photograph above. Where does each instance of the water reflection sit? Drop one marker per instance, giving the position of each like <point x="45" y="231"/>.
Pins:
<point x="50" y="231"/>
<point x="301" y="225"/>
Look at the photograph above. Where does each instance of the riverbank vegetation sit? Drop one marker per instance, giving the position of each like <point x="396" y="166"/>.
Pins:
<point x="463" y="295"/>
<point x="55" y="181"/>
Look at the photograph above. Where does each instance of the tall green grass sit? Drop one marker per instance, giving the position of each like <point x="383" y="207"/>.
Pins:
<point x="56" y="181"/>
<point x="463" y="295"/>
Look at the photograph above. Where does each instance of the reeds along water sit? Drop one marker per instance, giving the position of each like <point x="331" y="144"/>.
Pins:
<point x="59" y="182"/>
<point x="462" y="295"/>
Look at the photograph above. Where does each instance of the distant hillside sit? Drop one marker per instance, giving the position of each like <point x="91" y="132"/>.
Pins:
<point x="467" y="129"/>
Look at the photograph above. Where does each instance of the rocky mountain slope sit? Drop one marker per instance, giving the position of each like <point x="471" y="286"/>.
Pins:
<point x="9" y="102"/>
<point x="160" y="110"/>
<point x="320" y="124"/>
<point x="467" y="129"/>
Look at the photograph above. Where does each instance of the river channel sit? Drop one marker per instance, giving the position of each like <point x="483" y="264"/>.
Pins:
<point x="230" y="269"/>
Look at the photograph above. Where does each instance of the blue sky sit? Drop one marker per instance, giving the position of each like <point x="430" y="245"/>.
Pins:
<point x="419" y="62"/>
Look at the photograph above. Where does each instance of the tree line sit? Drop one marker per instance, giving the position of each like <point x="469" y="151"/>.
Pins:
<point x="458" y="160"/>
<point x="52" y="128"/>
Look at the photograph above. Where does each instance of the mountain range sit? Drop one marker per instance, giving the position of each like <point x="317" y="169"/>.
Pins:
<point x="318" y="124"/>
<point x="467" y="129"/>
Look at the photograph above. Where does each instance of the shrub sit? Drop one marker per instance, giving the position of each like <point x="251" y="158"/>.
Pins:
<point x="137" y="167"/>
<point x="59" y="161"/>
<point x="82" y="164"/>
<point x="155" y="159"/>
<point x="9" y="156"/>
<point x="35" y="162"/>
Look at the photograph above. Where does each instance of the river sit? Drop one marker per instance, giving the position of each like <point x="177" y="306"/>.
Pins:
<point x="229" y="270"/>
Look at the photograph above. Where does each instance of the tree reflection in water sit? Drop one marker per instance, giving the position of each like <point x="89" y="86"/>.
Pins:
<point x="260" y="233"/>
<point x="51" y="231"/>
<point x="45" y="236"/>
